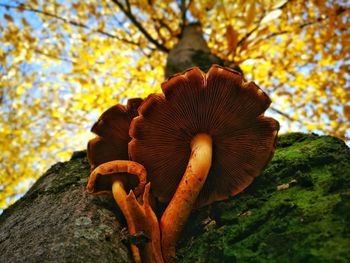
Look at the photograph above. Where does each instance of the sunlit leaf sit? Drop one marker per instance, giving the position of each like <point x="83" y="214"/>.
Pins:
<point x="251" y="13"/>
<point x="8" y="18"/>
<point x="279" y="4"/>
<point x="271" y="16"/>
<point x="346" y="111"/>
<point x="232" y="39"/>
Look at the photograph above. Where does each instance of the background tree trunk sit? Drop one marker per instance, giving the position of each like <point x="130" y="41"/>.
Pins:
<point x="191" y="50"/>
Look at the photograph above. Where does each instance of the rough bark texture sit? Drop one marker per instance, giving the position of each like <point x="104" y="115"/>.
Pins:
<point x="56" y="221"/>
<point x="296" y="211"/>
<point x="192" y="50"/>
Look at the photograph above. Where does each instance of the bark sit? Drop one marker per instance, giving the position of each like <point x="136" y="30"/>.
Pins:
<point x="296" y="211"/>
<point x="192" y="50"/>
<point x="56" y="221"/>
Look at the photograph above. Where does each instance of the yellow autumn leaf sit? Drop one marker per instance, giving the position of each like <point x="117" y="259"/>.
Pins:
<point x="8" y="18"/>
<point x="250" y="14"/>
<point x="279" y="3"/>
<point x="346" y="111"/>
<point x="271" y="16"/>
<point x="232" y="39"/>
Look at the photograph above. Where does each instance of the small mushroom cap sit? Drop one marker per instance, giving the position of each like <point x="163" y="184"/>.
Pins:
<point x="112" y="129"/>
<point x="132" y="174"/>
<point x="218" y="103"/>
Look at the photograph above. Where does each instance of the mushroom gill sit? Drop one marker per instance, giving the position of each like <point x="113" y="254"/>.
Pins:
<point x="202" y="141"/>
<point x="113" y="174"/>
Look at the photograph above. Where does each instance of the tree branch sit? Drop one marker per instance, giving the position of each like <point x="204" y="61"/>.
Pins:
<point x="126" y="30"/>
<point x="41" y="53"/>
<point x="318" y="20"/>
<point x="339" y="11"/>
<point x="183" y="7"/>
<point x="240" y="42"/>
<point x="65" y="20"/>
<point x="166" y="26"/>
<point x="285" y="115"/>
<point x="130" y="15"/>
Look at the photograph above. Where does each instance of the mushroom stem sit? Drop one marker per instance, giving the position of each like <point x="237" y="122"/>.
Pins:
<point x="120" y="197"/>
<point x="180" y="206"/>
<point x="151" y="251"/>
<point x="139" y="215"/>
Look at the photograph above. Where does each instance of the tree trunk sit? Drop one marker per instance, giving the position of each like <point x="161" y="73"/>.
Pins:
<point x="296" y="211"/>
<point x="191" y="50"/>
<point x="56" y="221"/>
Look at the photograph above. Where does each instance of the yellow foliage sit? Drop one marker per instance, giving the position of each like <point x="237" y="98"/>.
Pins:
<point x="59" y="72"/>
<point x="232" y="39"/>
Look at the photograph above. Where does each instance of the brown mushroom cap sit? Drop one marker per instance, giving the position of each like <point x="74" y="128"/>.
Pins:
<point x="112" y="129"/>
<point x="218" y="103"/>
<point x="102" y="178"/>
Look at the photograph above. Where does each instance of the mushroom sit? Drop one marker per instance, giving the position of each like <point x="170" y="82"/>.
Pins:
<point x="113" y="174"/>
<point x="202" y="141"/>
<point x="111" y="178"/>
<point x="112" y="129"/>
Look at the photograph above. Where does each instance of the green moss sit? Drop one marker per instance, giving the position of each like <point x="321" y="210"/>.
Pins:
<point x="306" y="221"/>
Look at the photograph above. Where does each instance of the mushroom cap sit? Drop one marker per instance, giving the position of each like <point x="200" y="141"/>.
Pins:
<point x="111" y="143"/>
<point x="131" y="174"/>
<point x="112" y="129"/>
<point x="218" y="103"/>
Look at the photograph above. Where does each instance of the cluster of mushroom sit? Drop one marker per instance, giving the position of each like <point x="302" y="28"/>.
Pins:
<point x="204" y="139"/>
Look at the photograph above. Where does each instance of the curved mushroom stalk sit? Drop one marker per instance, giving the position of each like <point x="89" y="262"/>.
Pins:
<point x="186" y="194"/>
<point x="145" y="223"/>
<point x="140" y="217"/>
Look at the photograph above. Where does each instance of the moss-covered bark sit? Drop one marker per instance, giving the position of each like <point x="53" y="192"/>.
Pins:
<point x="296" y="211"/>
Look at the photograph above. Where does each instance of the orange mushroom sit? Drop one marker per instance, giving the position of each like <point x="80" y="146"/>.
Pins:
<point x="112" y="130"/>
<point x="112" y="173"/>
<point x="111" y="178"/>
<point x="202" y="141"/>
